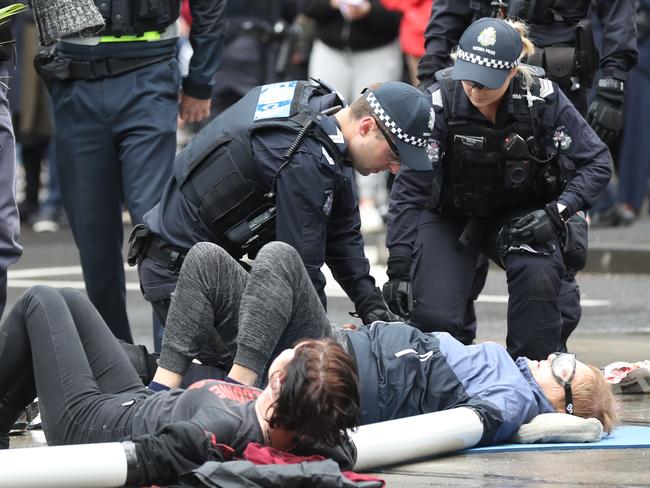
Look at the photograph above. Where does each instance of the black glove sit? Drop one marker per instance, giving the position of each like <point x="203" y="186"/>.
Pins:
<point x="374" y="308"/>
<point x="606" y="111"/>
<point x="397" y="290"/>
<point x="175" y="449"/>
<point x="538" y="227"/>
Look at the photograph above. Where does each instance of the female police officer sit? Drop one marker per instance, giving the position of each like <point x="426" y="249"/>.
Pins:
<point x="513" y="159"/>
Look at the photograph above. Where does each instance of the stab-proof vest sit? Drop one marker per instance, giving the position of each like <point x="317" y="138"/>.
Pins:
<point x="537" y="11"/>
<point x="128" y="17"/>
<point x="217" y="172"/>
<point x="478" y="176"/>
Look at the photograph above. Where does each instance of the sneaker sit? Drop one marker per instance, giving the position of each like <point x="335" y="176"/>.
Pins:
<point x="47" y="220"/>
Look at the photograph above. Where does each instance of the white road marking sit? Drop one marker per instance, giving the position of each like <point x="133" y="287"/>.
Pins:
<point x="24" y="278"/>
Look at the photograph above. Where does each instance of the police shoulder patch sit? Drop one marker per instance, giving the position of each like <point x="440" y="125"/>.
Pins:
<point x="545" y="87"/>
<point x="436" y="98"/>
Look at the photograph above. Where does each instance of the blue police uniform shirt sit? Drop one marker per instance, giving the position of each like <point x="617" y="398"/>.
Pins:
<point x="560" y="126"/>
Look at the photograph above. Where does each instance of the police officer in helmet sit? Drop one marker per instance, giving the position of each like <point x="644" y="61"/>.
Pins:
<point x="513" y="161"/>
<point x="278" y="165"/>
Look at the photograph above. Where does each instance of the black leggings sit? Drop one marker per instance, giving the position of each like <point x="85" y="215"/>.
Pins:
<point x="55" y="343"/>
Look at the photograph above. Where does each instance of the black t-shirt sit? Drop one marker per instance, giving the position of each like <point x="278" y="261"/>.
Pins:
<point x="226" y="410"/>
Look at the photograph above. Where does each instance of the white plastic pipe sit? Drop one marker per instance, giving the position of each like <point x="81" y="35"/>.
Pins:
<point x="410" y="438"/>
<point x="79" y="466"/>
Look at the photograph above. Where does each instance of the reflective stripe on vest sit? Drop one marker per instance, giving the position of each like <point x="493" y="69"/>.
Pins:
<point x="146" y="36"/>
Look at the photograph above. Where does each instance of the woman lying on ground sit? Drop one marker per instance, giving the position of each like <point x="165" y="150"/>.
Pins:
<point x="402" y="371"/>
<point x="55" y="344"/>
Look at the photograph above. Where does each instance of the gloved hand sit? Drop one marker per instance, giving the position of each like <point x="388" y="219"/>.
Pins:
<point x="538" y="227"/>
<point x="559" y="427"/>
<point x="606" y="112"/>
<point x="374" y="308"/>
<point x="397" y="290"/>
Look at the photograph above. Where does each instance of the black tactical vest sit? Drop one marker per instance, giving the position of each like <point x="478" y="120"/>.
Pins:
<point x="536" y="11"/>
<point x="128" y="17"/>
<point x="478" y="175"/>
<point x="217" y="172"/>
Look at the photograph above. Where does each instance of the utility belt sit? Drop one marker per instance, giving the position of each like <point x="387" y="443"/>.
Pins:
<point x="51" y="67"/>
<point x="570" y="66"/>
<point x="144" y="243"/>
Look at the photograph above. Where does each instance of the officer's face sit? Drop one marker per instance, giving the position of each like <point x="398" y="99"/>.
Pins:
<point x="372" y="152"/>
<point x="482" y="97"/>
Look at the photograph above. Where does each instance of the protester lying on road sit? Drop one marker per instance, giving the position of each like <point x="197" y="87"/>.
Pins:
<point x="56" y="344"/>
<point x="402" y="371"/>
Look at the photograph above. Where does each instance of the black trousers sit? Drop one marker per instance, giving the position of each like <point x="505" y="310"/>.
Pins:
<point x="55" y="343"/>
<point x="443" y="279"/>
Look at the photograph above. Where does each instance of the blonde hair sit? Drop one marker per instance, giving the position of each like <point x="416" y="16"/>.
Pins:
<point x="526" y="72"/>
<point x="593" y="397"/>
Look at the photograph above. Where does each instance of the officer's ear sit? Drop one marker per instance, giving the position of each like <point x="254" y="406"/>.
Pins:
<point x="367" y="125"/>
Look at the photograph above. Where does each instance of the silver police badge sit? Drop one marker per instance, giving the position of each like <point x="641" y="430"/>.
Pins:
<point x="562" y="138"/>
<point x="328" y="201"/>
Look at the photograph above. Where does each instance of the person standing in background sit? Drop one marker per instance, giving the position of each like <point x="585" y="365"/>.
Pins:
<point x="356" y="45"/>
<point x="415" y="15"/>
<point x="116" y="96"/>
<point x="10" y="250"/>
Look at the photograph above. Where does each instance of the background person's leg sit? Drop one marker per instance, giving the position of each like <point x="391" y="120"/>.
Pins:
<point x="91" y="190"/>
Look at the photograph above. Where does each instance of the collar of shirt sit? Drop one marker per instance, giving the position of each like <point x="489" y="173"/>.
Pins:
<point x="463" y="108"/>
<point x="332" y="128"/>
<point x="543" y="402"/>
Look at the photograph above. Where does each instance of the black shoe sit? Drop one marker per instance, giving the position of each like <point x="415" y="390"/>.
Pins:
<point x="606" y="218"/>
<point x="626" y="215"/>
<point x="27" y="210"/>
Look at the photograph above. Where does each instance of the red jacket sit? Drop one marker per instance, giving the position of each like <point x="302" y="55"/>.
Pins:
<point x="415" y="15"/>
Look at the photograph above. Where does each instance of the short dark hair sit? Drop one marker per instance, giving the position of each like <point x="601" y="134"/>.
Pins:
<point x="319" y="396"/>
<point x="360" y="107"/>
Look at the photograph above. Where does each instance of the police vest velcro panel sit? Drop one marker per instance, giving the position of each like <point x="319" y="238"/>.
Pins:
<point x="478" y="175"/>
<point x="217" y="172"/>
<point x="135" y="17"/>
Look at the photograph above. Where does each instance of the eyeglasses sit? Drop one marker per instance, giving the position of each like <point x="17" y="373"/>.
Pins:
<point x="563" y="368"/>
<point x="391" y="145"/>
<point x="474" y="84"/>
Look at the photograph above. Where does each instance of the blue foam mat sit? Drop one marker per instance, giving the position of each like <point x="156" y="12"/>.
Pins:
<point x="623" y="437"/>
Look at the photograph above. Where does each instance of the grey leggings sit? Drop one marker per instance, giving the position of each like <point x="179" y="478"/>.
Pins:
<point x="255" y="315"/>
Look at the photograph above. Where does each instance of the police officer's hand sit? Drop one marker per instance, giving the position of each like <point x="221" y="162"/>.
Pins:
<point x="193" y="109"/>
<point x="397" y="290"/>
<point x="606" y="112"/>
<point x="372" y="307"/>
<point x="540" y="226"/>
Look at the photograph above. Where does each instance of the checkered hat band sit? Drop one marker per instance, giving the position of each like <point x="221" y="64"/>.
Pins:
<point x="391" y="125"/>
<point x="483" y="61"/>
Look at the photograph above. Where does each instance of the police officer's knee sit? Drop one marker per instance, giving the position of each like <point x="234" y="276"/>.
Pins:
<point x="534" y="277"/>
<point x="430" y="320"/>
